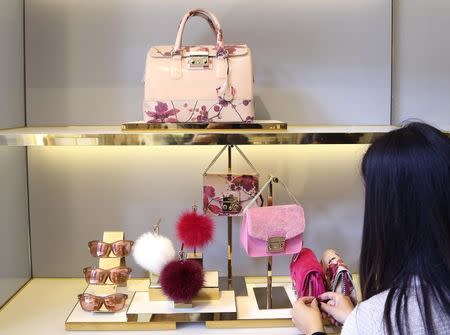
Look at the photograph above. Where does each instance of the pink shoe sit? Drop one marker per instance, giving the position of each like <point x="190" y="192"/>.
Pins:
<point x="339" y="278"/>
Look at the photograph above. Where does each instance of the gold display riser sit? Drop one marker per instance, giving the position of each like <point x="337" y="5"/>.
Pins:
<point x="210" y="320"/>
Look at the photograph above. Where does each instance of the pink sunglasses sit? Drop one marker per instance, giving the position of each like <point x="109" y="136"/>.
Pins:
<point x="118" y="275"/>
<point x="120" y="248"/>
<point x="113" y="303"/>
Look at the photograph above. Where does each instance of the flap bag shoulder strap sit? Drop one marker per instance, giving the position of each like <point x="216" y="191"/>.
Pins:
<point x="271" y="179"/>
<point x="221" y="152"/>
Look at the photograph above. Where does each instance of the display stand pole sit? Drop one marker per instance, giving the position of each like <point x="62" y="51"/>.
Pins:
<point x="111" y="261"/>
<point x="230" y="233"/>
<point x="154" y="279"/>
<point x="269" y="258"/>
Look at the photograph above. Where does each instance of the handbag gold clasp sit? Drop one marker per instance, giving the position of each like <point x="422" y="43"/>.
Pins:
<point x="276" y="244"/>
<point x="231" y="204"/>
<point x="197" y="60"/>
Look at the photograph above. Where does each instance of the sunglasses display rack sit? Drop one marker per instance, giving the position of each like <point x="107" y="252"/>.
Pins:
<point x="79" y="317"/>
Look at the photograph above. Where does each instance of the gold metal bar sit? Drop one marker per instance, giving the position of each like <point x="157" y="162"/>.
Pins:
<point x="113" y="135"/>
<point x="257" y="124"/>
<point x="95" y="326"/>
<point x="230" y="252"/>
<point x="269" y="282"/>
<point x="198" y="257"/>
<point x="229" y="158"/>
<point x="181" y="304"/>
<point x="269" y="258"/>
<point x="230" y="234"/>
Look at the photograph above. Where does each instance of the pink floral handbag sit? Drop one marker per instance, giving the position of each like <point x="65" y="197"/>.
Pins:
<point x="202" y="83"/>
<point x="272" y="230"/>
<point x="308" y="278"/>
<point x="225" y="194"/>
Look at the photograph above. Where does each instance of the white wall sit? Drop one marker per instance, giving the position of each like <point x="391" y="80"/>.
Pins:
<point x="422" y="61"/>
<point x="78" y="192"/>
<point x="11" y="64"/>
<point x="315" y="61"/>
<point x="15" y="268"/>
<point x="14" y="243"/>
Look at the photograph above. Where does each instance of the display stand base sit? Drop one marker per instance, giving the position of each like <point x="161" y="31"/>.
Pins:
<point x="280" y="298"/>
<point x="237" y="308"/>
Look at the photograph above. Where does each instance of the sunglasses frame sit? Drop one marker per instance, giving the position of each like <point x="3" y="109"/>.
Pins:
<point x="102" y="301"/>
<point x="109" y="249"/>
<point x="108" y="274"/>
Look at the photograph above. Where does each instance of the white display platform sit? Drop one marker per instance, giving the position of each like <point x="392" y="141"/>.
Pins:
<point x="43" y="305"/>
<point x="142" y="305"/>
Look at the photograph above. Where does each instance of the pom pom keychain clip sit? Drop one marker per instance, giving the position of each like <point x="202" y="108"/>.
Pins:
<point x="153" y="251"/>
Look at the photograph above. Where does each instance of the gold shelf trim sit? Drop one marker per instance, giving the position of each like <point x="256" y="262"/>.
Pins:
<point x="114" y="136"/>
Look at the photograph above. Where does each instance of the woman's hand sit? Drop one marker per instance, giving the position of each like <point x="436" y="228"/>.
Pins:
<point x="338" y="306"/>
<point x="307" y="318"/>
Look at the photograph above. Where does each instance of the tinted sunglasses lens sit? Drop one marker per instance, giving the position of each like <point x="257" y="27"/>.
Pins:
<point x="119" y="275"/>
<point x="121" y="248"/>
<point x="90" y="303"/>
<point x="99" y="249"/>
<point x="95" y="276"/>
<point x="115" y="302"/>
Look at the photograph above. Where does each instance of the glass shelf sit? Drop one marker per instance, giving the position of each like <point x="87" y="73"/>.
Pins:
<point x="113" y="135"/>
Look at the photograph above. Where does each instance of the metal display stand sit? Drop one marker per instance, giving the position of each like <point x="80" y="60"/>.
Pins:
<point x="246" y="302"/>
<point x="230" y="234"/>
<point x="239" y="302"/>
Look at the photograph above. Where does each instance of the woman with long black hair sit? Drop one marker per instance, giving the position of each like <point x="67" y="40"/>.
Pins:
<point x="405" y="252"/>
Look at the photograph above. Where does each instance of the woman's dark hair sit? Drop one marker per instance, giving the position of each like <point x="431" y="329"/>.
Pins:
<point x="406" y="236"/>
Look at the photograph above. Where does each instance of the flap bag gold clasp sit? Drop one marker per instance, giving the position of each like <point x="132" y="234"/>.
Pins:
<point x="276" y="244"/>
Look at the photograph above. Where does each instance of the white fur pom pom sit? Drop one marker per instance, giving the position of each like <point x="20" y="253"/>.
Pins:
<point x="152" y="252"/>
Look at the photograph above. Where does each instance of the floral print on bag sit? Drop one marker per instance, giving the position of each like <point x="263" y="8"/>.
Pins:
<point x="232" y="50"/>
<point x="197" y="111"/>
<point x="228" y="194"/>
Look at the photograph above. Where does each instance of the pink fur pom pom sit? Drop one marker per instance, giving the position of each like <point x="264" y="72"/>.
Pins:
<point x="195" y="230"/>
<point x="182" y="280"/>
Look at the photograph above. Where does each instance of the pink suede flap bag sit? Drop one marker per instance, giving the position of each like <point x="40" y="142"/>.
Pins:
<point x="308" y="278"/>
<point x="272" y="230"/>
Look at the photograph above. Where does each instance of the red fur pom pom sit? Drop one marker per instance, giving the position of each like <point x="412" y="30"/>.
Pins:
<point x="195" y="230"/>
<point x="182" y="280"/>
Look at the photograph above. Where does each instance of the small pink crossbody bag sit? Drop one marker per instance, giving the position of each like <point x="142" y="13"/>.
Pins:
<point x="272" y="230"/>
<point x="225" y="194"/>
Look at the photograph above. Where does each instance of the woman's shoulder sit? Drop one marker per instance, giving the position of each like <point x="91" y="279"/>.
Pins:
<point x="367" y="317"/>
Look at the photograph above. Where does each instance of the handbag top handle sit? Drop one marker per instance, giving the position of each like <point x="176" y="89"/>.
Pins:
<point x="271" y="179"/>
<point x="220" y="153"/>
<point x="213" y="22"/>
